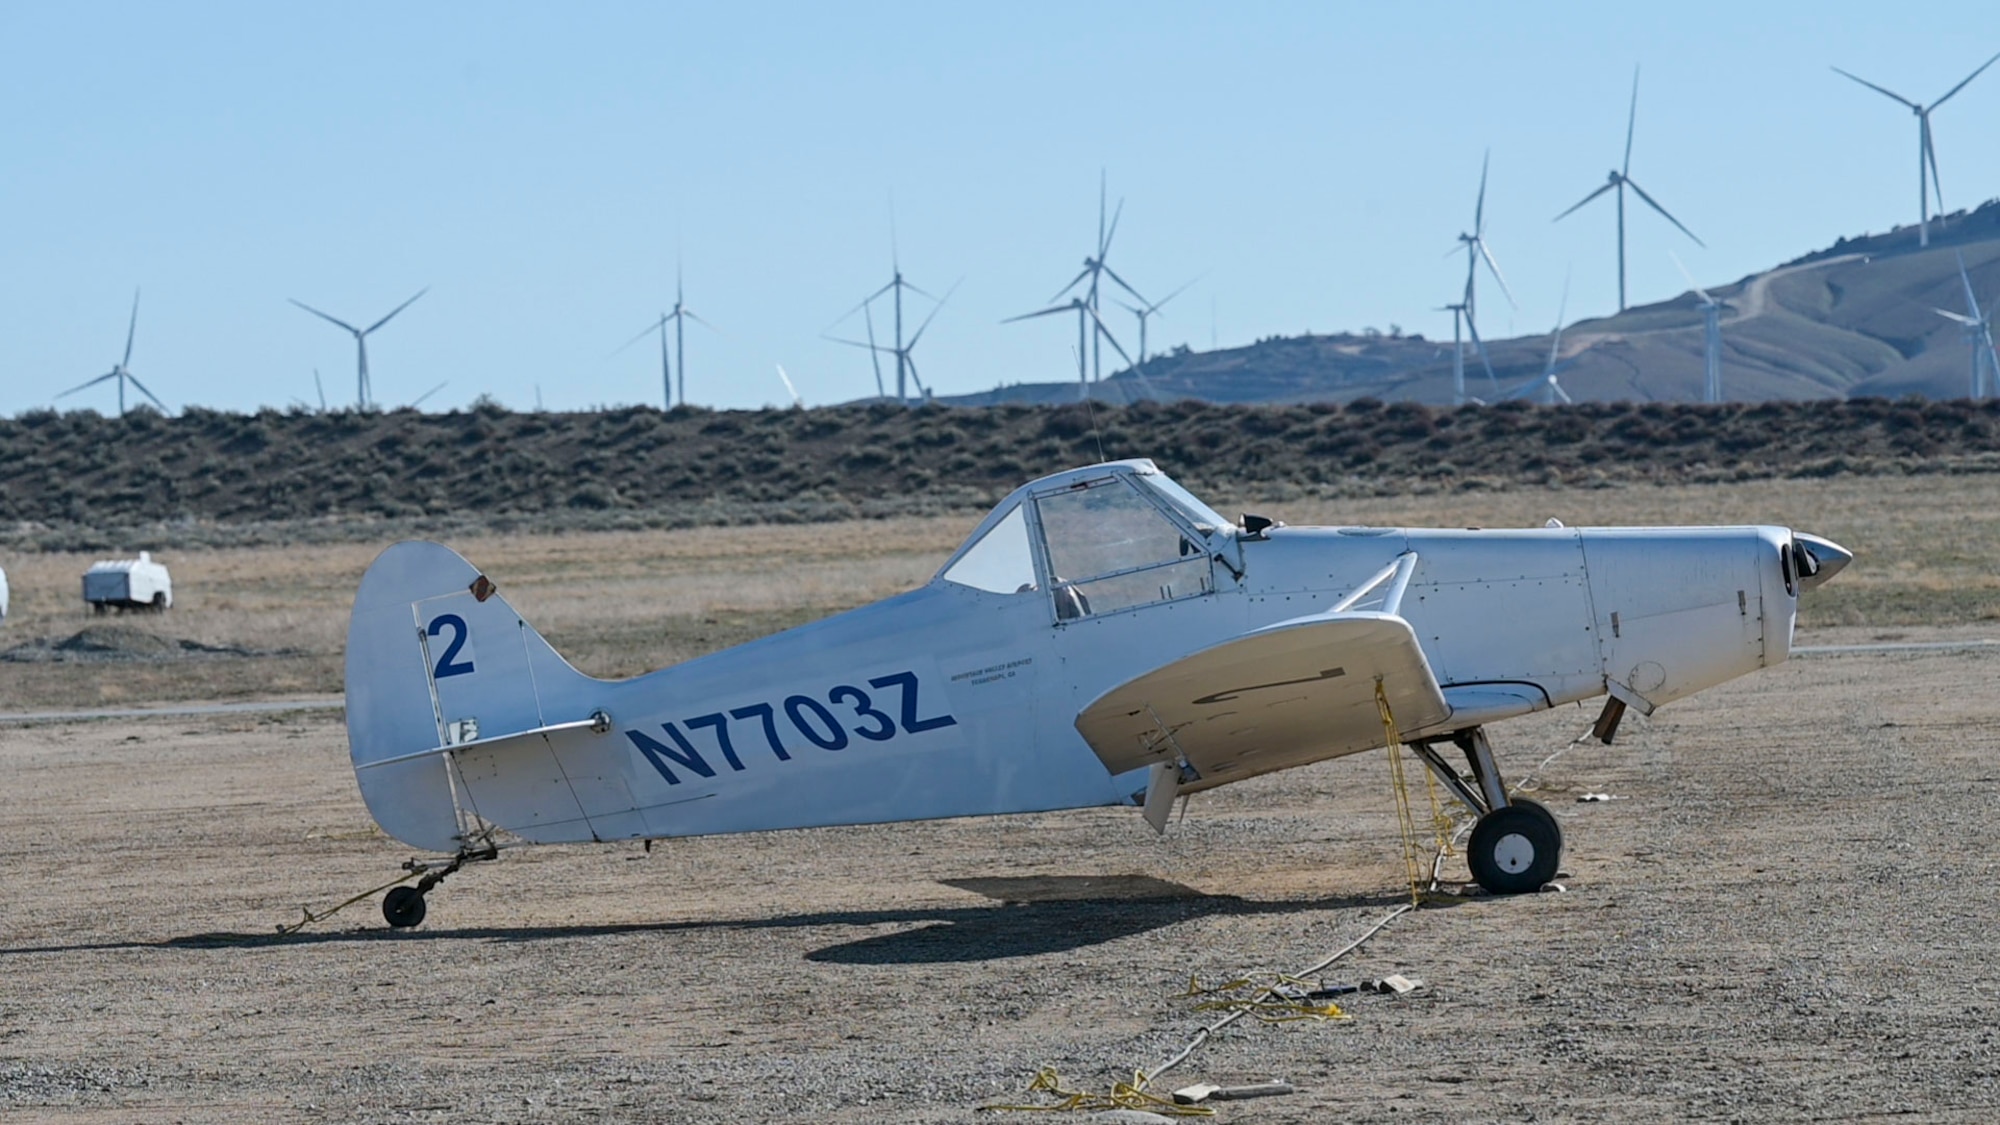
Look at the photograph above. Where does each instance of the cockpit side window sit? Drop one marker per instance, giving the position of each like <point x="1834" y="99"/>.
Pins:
<point x="1110" y="547"/>
<point x="1001" y="561"/>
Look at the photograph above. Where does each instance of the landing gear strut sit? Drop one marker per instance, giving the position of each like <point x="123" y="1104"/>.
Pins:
<point x="1517" y="845"/>
<point x="403" y="907"/>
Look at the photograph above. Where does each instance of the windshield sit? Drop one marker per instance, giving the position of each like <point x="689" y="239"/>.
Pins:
<point x="1197" y="512"/>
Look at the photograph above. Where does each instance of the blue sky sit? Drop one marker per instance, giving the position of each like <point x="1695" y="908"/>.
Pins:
<point x="541" y="168"/>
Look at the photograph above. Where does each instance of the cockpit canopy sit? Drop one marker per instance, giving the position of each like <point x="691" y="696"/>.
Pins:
<point x="1094" y="540"/>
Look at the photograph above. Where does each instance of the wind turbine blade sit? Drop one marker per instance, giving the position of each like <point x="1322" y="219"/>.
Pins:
<point x="1105" y="331"/>
<point x="858" y="344"/>
<point x="698" y="320"/>
<point x="1965" y="279"/>
<point x="1699" y="291"/>
<point x="938" y="308"/>
<point x="1654" y="204"/>
<point x="1584" y="200"/>
<point x="1113" y="275"/>
<point x="869" y="300"/>
<point x="1631" y="123"/>
<point x="1479" y="208"/>
<point x="1880" y="90"/>
<point x="420" y="398"/>
<point x="147" y="393"/>
<point x="1050" y="311"/>
<point x="1472" y="330"/>
<point x="1100" y="212"/>
<point x="131" y="330"/>
<point x="911" y="362"/>
<point x="1560" y="393"/>
<point x="874" y="353"/>
<point x="1156" y="305"/>
<point x="789" y="389"/>
<point x="1959" y="317"/>
<point x="394" y="311"/>
<point x="323" y="316"/>
<point x="1968" y="78"/>
<point x="657" y="326"/>
<point x="1104" y="247"/>
<point x="1085" y="272"/>
<point x="1556" y="337"/>
<point x="1495" y="267"/>
<point x="1930" y="154"/>
<point x="92" y="383"/>
<point x="321" y="388"/>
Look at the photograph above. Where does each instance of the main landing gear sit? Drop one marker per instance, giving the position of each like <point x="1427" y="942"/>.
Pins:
<point x="1516" y="844"/>
<point x="403" y="907"/>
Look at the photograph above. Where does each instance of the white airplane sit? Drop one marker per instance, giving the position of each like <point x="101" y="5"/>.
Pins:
<point x="1102" y="638"/>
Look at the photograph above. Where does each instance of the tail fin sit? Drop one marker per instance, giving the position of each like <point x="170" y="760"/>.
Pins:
<point x="436" y="658"/>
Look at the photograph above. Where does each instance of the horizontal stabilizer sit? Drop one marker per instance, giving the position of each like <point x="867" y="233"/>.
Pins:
<point x="1281" y="696"/>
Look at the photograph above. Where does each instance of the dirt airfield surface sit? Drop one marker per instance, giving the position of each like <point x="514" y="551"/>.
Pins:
<point x="1787" y="914"/>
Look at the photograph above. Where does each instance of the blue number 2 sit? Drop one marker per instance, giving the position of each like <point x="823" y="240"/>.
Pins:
<point x="447" y="665"/>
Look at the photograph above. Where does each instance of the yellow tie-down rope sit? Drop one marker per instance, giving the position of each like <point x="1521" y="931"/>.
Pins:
<point x="1441" y="826"/>
<point x="1123" y="1095"/>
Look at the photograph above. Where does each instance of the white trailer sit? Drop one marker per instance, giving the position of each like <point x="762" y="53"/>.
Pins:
<point x="137" y="583"/>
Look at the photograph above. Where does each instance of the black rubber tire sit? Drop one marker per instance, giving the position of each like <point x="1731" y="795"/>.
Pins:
<point x="1513" y="850"/>
<point x="403" y="907"/>
<point x="1542" y="811"/>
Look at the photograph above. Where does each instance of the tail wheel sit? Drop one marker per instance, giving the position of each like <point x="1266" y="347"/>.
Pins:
<point x="1514" y="849"/>
<point x="403" y="907"/>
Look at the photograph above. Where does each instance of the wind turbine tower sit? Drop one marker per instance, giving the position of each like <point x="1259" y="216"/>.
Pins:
<point x="894" y="290"/>
<point x="363" y="392"/>
<point x="122" y="371"/>
<point x="1621" y="178"/>
<point x="678" y="317"/>
<point x="1086" y="317"/>
<point x="1711" y="320"/>
<point x="1927" y="173"/>
<point x="1476" y="249"/>
<point x="1460" y="317"/>
<point x="906" y="361"/>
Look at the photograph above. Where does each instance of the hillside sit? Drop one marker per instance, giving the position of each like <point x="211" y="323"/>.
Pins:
<point x="85" y="480"/>
<point x="1851" y="320"/>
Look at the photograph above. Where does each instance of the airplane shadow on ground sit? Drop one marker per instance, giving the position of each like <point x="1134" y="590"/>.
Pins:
<point x="1027" y="917"/>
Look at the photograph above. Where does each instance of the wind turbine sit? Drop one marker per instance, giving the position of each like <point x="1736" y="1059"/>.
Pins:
<point x="1978" y="333"/>
<point x="363" y="392"/>
<point x="1927" y="173"/>
<point x="906" y="361"/>
<point x="1711" y="319"/>
<point x="1095" y="269"/>
<point x="1459" y="317"/>
<point x="1144" y="311"/>
<point x="1546" y="384"/>
<point x="122" y="371"/>
<point x="1621" y="179"/>
<point x="1476" y="250"/>
<point x="1085" y="318"/>
<point x="679" y="317"/>
<point x="894" y="289"/>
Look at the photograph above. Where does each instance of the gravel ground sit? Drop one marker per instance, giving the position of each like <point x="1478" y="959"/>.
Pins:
<point x="1788" y="915"/>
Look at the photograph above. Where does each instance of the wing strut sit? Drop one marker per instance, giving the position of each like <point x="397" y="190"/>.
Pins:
<point x="1396" y="574"/>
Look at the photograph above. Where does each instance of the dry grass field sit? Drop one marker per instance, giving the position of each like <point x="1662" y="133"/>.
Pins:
<point x="1788" y="914"/>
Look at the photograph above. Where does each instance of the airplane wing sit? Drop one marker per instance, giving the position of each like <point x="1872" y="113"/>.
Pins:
<point x="1281" y="696"/>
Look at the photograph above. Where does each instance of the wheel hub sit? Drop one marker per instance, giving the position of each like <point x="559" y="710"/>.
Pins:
<point x="1514" y="853"/>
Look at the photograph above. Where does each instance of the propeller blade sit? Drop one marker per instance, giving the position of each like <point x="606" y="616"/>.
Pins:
<point x="323" y="316"/>
<point x="1495" y="267"/>
<point x="1654" y="204"/>
<point x="1088" y="266"/>
<point x="420" y="398"/>
<point x="1105" y="331"/>
<point x="1968" y="78"/>
<point x="1593" y="195"/>
<point x="1050" y="311"/>
<point x="132" y="330"/>
<point x="394" y="311"/>
<point x="933" y="316"/>
<point x="81" y="386"/>
<point x="1878" y="89"/>
<point x="659" y="325"/>
<point x="147" y="393"/>
<point x="1631" y="122"/>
